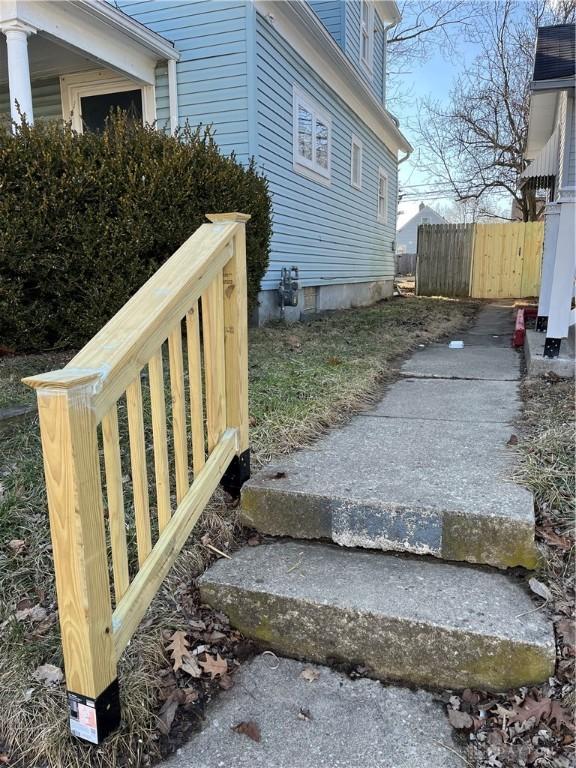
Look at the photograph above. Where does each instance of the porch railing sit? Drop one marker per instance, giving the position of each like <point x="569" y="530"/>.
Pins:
<point x="79" y="420"/>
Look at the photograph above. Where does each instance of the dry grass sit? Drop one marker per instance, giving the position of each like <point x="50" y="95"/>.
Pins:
<point x="303" y="378"/>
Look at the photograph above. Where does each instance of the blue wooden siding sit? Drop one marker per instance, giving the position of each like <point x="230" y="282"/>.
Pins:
<point x="331" y="233"/>
<point x="352" y="48"/>
<point x="332" y="14"/>
<point x="212" y="70"/>
<point x="46" y="101"/>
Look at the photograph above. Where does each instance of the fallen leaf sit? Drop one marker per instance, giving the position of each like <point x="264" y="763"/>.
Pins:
<point x="168" y="712"/>
<point x="530" y="708"/>
<point x="199" y="625"/>
<point x="215" y="667"/>
<point x="17" y="546"/>
<point x="254" y="541"/>
<point x="540" y="589"/>
<point x="4" y="759"/>
<point x="561" y="715"/>
<point x="551" y="537"/>
<point x="36" y="613"/>
<point x="513" y="440"/>
<point x="309" y="674"/>
<point x="249" y="728"/>
<point x="459" y="719"/>
<point x="190" y="666"/>
<point x="304" y="714"/>
<point x="567" y="629"/>
<point x="49" y="674"/>
<point x="179" y="647"/>
<point x="294" y="342"/>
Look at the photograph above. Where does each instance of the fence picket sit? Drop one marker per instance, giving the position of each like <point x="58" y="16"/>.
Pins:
<point x="139" y="469"/>
<point x="160" y="438"/>
<point x="195" y="387"/>
<point x="178" y="412"/>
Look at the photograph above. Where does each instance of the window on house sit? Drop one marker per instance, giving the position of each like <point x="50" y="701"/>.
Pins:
<point x="425" y="220"/>
<point x="366" y="34"/>
<point x="356" y="163"/>
<point x="382" y="196"/>
<point x="89" y="97"/>
<point x="312" y="138"/>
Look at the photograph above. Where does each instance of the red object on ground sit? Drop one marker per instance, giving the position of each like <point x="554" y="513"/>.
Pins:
<point x="530" y="313"/>
<point x="519" y="330"/>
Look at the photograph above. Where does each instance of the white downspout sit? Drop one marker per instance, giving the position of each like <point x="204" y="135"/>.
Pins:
<point x="173" y="95"/>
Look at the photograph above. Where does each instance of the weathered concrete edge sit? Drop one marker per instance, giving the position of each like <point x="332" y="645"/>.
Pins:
<point x="538" y="365"/>
<point x="496" y="540"/>
<point x="392" y="648"/>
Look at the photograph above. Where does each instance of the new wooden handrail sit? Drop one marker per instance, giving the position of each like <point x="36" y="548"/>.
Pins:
<point x="208" y="270"/>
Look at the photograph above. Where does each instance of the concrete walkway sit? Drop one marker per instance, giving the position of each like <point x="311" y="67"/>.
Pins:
<point x="425" y="472"/>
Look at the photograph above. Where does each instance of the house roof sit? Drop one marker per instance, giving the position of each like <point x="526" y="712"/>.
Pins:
<point x="408" y="210"/>
<point x="555" y="52"/>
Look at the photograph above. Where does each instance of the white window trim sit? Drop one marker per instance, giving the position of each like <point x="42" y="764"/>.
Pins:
<point x="101" y="81"/>
<point x="356" y="143"/>
<point x="367" y="64"/>
<point x="302" y="165"/>
<point x="382" y="174"/>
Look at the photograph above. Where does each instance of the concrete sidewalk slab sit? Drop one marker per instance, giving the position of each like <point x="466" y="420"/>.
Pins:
<point x="411" y="485"/>
<point x="413" y="620"/>
<point x="451" y="400"/>
<point x="489" y="363"/>
<point x="354" y="724"/>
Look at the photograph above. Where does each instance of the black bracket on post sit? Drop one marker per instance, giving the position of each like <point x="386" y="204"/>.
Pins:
<point x="237" y="473"/>
<point x="94" y="719"/>
<point x="541" y="323"/>
<point x="552" y="347"/>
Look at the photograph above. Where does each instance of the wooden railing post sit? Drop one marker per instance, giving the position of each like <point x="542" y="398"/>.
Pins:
<point x="72" y="470"/>
<point x="236" y="351"/>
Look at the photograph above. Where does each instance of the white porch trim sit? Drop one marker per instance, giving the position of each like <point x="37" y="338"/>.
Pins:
<point x="92" y="83"/>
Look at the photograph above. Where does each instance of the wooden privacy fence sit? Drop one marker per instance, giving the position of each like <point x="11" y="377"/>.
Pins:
<point x="79" y="409"/>
<point x="483" y="261"/>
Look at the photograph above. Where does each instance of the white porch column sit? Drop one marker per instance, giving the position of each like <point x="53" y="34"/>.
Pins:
<point x="563" y="278"/>
<point x="551" y="222"/>
<point x="19" y="69"/>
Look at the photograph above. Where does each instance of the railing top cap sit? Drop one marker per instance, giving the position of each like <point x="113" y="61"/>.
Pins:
<point x="240" y="218"/>
<point x="66" y="378"/>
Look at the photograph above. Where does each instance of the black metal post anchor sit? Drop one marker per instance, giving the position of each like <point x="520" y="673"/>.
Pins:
<point x="237" y="473"/>
<point x="552" y="347"/>
<point x="94" y="719"/>
<point x="541" y="323"/>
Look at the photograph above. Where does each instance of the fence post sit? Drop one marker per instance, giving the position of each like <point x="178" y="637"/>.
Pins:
<point x="73" y="485"/>
<point x="236" y="351"/>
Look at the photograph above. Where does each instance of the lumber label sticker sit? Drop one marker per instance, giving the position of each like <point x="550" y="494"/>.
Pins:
<point x="83" y="722"/>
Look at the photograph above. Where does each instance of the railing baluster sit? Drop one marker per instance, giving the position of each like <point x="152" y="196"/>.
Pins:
<point x="139" y="471"/>
<point x="115" y="494"/>
<point x="178" y="412"/>
<point x="159" y="433"/>
<point x="214" y="361"/>
<point x="195" y="387"/>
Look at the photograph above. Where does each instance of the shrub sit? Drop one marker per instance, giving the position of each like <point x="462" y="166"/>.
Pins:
<point x="86" y="219"/>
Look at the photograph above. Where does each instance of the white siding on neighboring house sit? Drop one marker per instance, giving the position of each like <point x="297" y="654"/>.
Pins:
<point x="407" y="235"/>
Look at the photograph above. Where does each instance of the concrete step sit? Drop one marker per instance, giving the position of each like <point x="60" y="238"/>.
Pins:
<point x="350" y="724"/>
<point x="406" y="619"/>
<point x="426" y="471"/>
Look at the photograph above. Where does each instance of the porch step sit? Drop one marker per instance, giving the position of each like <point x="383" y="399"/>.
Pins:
<point x="427" y="471"/>
<point x="406" y="619"/>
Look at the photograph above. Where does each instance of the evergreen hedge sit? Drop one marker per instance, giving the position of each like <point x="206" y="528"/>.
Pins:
<point x="86" y="219"/>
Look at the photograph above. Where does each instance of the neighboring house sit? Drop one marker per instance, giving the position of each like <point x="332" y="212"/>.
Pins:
<point x="299" y="85"/>
<point x="551" y="146"/>
<point x="407" y="233"/>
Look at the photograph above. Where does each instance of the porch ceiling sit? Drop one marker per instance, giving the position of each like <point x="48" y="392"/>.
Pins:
<point x="48" y="59"/>
<point x="75" y="35"/>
